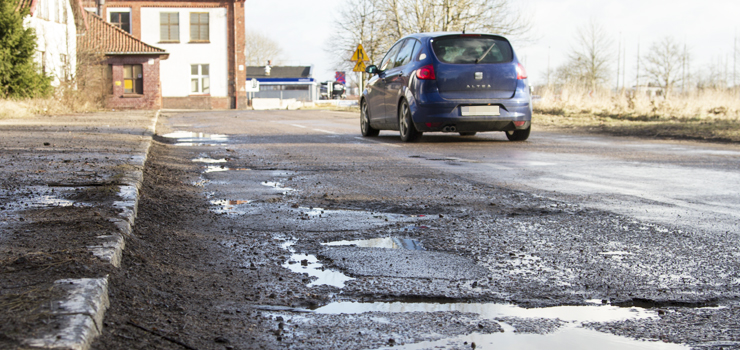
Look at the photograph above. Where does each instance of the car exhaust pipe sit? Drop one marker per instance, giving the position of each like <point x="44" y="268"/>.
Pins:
<point x="449" y="128"/>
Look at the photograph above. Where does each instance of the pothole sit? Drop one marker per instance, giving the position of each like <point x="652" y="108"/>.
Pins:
<point x="383" y="242"/>
<point x="219" y="168"/>
<point x="225" y="206"/>
<point x="187" y="138"/>
<point x="571" y="335"/>
<point x="208" y="160"/>
<point x="308" y="264"/>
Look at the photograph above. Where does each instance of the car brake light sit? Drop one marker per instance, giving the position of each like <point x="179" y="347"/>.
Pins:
<point x="521" y="73"/>
<point x="426" y="73"/>
<point x="519" y="123"/>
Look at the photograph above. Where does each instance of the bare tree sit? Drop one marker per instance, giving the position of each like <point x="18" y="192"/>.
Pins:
<point x="260" y="48"/>
<point x="663" y="63"/>
<point x="588" y="61"/>
<point x="377" y="24"/>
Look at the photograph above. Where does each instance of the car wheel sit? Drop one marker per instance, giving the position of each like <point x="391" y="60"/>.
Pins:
<point x="518" y="135"/>
<point x="406" y="124"/>
<point x="365" y="128"/>
<point x="470" y="133"/>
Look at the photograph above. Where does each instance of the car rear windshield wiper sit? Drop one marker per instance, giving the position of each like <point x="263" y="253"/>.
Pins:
<point x="485" y="53"/>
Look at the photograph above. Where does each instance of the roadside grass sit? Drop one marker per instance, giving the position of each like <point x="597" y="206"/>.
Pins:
<point x="709" y="115"/>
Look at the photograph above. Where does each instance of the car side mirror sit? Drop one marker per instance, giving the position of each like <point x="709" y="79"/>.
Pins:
<point x="372" y="69"/>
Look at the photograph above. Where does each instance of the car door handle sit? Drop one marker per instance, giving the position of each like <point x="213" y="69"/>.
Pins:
<point x="391" y="76"/>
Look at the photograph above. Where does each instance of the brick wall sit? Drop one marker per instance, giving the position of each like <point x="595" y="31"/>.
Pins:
<point x="152" y="95"/>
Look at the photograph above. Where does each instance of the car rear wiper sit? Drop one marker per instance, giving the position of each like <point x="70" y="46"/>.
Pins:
<point x="485" y="53"/>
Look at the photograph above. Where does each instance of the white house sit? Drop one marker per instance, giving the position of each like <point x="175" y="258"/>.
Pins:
<point x="56" y="35"/>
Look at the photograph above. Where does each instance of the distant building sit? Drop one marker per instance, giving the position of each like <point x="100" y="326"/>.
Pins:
<point x="205" y="42"/>
<point x="56" y="41"/>
<point x="133" y="73"/>
<point x="284" y="82"/>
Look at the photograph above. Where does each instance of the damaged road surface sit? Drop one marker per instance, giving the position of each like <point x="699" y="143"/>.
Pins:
<point x="285" y="229"/>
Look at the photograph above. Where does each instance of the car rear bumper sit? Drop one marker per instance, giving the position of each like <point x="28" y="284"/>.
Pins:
<point x="433" y="113"/>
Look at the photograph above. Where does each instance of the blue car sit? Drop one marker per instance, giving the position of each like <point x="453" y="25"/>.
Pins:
<point x="447" y="82"/>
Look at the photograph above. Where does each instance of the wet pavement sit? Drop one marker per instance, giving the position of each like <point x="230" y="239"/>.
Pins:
<point x="300" y="234"/>
<point x="561" y="242"/>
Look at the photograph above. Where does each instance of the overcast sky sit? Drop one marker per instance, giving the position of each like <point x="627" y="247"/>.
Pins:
<point x="708" y="27"/>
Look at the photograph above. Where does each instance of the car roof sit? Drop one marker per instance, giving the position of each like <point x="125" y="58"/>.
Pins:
<point x="438" y="34"/>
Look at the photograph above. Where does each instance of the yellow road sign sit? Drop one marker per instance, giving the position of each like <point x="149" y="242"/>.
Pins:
<point x="359" y="55"/>
<point x="359" y="67"/>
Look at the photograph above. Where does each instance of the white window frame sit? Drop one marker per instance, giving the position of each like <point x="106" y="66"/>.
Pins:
<point x="199" y="80"/>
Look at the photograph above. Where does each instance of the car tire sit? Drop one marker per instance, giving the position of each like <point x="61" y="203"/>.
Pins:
<point x="365" y="128"/>
<point x="406" y="124"/>
<point x="469" y="133"/>
<point x="518" y="135"/>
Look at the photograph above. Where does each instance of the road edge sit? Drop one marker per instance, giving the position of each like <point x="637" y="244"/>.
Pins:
<point x="79" y="315"/>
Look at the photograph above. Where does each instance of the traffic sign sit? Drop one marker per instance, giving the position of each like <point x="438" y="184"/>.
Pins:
<point x="359" y="67"/>
<point x="340" y="78"/>
<point x="359" y="55"/>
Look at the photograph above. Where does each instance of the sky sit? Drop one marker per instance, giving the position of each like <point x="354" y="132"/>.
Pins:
<point x="303" y="29"/>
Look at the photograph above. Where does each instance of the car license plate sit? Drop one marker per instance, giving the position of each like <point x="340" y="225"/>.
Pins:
<point x="479" y="110"/>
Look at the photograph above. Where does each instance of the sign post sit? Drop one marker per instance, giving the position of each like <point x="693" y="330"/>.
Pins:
<point x="360" y="56"/>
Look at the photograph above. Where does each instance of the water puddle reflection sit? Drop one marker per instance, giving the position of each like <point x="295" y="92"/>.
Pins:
<point x="277" y="186"/>
<point x="208" y="160"/>
<point x="309" y="264"/>
<point x="187" y="138"/>
<point x="219" y="168"/>
<point x="383" y="242"/>
<point x="569" y="336"/>
<point x="229" y="206"/>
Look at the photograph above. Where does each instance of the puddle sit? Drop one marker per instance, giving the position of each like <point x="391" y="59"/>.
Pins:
<point x="229" y="206"/>
<point x="208" y="160"/>
<point x="588" y="313"/>
<point x="569" y="336"/>
<point x="309" y="264"/>
<point x="187" y="138"/>
<point x="277" y="186"/>
<point x="385" y="242"/>
<point x="219" y="168"/>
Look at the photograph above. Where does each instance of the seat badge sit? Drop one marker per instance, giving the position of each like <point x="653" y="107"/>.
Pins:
<point x="478" y="75"/>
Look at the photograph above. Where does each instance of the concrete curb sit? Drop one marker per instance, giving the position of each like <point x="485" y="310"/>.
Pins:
<point x="80" y="314"/>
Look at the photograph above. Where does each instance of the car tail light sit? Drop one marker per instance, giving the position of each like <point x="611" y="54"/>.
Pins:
<point x="433" y="125"/>
<point x="521" y="73"/>
<point x="426" y="73"/>
<point x="519" y="123"/>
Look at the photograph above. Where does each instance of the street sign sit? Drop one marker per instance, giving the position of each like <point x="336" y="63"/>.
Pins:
<point x="359" y="67"/>
<point x="340" y="78"/>
<point x="359" y="55"/>
<point x="253" y="85"/>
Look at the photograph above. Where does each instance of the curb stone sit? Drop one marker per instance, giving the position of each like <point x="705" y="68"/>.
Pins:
<point x="80" y="314"/>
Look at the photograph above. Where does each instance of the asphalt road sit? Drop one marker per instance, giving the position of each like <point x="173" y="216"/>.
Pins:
<point x="563" y="241"/>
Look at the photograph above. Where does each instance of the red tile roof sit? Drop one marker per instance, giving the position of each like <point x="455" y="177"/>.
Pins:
<point x="106" y="38"/>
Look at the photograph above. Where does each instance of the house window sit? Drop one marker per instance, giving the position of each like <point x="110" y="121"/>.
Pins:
<point x="200" y="83"/>
<point x="169" y="27"/>
<point x="198" y="26"/>
<point x="121" y="20"/>
<point x="133" y="79"/>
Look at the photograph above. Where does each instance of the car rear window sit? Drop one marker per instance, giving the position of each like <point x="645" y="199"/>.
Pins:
<point x="467" y="49"/>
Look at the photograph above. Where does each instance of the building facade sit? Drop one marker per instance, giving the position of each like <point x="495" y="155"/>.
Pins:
<point x="284" y="82"/>
<point x="132" y="73"/>
<point x="56" y="42"/>
<point x="205" y="42"/>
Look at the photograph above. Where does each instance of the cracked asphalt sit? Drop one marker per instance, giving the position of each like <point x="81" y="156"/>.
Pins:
<point x="568" y="240"/>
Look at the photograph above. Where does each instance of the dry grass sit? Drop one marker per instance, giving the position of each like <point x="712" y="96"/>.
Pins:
<point x="705" y="115"/>
<point x="83" y="93"/>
